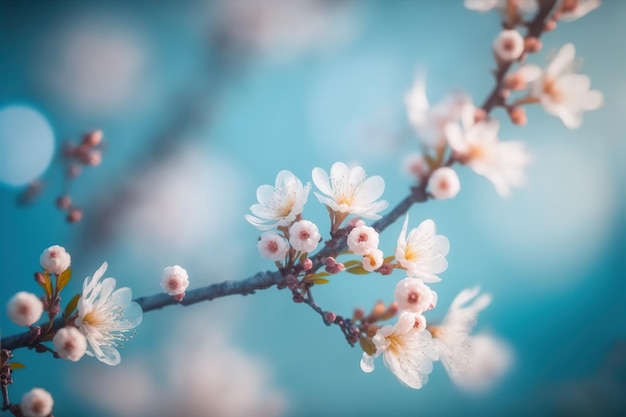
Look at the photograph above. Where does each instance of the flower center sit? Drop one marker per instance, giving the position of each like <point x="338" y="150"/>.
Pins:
<point x="411" y="255"/>
<point x="173" y="283"/>
<point x="304" y="235"/>
<point x="396" y="344"/>
<point x="92" y="318"/>
<point x="476" y="152"/>
<point x="551" y="90"/>
<point x="272" y="246"/>
<point x="363" y="238"/>
<point x="413" y="297"/>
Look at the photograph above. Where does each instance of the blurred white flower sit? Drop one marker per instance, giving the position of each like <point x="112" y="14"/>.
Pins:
<point x="372" y="259"/>
<point x="279" y="205"/>
<point x="304" y="236"/>
<point x="36" y="403"/>
<point x="70" y="343"/>
<point x="523" y="6"/>
<point x="473" y="362"/>
<point x="407" y="351"/>
<point x="24" y="308"/>
<point x="508" y="45"/>
<point x="477" y="145"/>
<point x="575" y="9"/>
<point x="444" y="183"/>
<point x="362" y="239"/>
<point x="55" y="259"/>
<point x="423" y="252"/>
<point x="429" y="122"/>
<point x="563" y="93"/>
<point x="272" y="246"/>
<point x="347" y="190"/>
<point x="414" y="296"/>
<point x="105" y="315"/>
<point x="174" y="280"/>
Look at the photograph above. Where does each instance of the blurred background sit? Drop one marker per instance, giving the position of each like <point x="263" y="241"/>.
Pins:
<point x="203" y="101"/>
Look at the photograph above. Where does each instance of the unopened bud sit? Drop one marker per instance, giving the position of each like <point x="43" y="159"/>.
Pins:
<point x="358" y="314"/>
<point x="307" y="264"/>
<point x="73" y="171"/>
<point x="515" y="81"/>
<point x="92" y="138"/>
<point x="54" y="309"/>
<point x="518" y="116"/>
<point x="64" y="202"/>
<point x="297" y="298"/>
<point x="330" y="261"/>
<point x="179" y="297"/>
<point x="40" y="278"/>
<point x="385" y="269"/>
<point x="329" y="316"/>
<point x="94" y="158"/>
<point x="533" y="44"/>
<point x="550" y="25"/>
<point x="379" y="309"/>
<point x="75" y="215"/>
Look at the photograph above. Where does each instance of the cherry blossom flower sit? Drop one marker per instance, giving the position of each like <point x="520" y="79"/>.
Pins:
<point x="24" y="308"/>
<point x="105" y="315"/>
<point x="304" y="236"/>
<point x="373" y="259"/>
<point x="174" y="280"/>
<point x="347" y="190"/>
<point x="55" y="259"/>
<point x="272" y="246"/>
<point x="407" y="351"/>
<point x="477" y="145"/>
<point x="444" y="183"/>
<point x="523" y="6"/>
<point x="413" y="296"/>
<point x="428" y="122"/>
<point x="575" y="9"/>
<point x="508" y="45"/>
<point x="279" y="205"/>
<point x="36" y="403"/>
<point x="362" y="239"/>
<point x="423" y="252"/>
<point x="70" y="343"/>
<point x="563" y="93"/>
<point x="469" y="359"/>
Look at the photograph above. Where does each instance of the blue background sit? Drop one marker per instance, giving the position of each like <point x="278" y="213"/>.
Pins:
<point x="191" y="130"/>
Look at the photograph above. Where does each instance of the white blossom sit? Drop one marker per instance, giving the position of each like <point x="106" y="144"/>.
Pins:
<point x="428" y="121"/>
<point x="174" y="280"/>
<point x="105" y="315"/>
<point x="469" y="360"/>
<point x="477" y="145"/>
<point x="373" y="259"/>
<point x="55" y="259"/>
<point x="362" y="239"/>
<point x="407" y="351"/>
<point x="508" y="45"/>
<point x="444" y="183"/>
<point x="523" y="6"/>
<point x="272" y="246"/>
<point x="24" y="308"/>
<point x="304" y="236"/>
<point x="279" y="205"/>
<point x="36" y="403"/>
<point x="414" y="296"/>
<point x="423" y="252"/>
<point x="578" y="9"/>
<point x="563" y="93"/>
<point x="347" y="190"/>
<point x="70" y="343"/>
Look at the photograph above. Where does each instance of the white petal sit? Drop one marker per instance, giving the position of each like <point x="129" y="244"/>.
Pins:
<point x="110" y="356"/>
<point x="530" y="72"/>
<point x="455" y="137"/>
<point x="321" y="181"/>
<point x="561" y="61"/>
<point x="592" y="100"/>
<point x="367" y="363"/>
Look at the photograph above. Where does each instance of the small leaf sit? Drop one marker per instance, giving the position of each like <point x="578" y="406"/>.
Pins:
<point x="388" y="259"/>
<point x="358" y="270"/>
<point x="71" y="306"/>
<point x="63" y="279"/>
<point x="367" y="345"/>
<point x="47" y="284"/>
<point x="318" y="275"/>
<point x="17" y="365"/>
<point x="320" y="281"/>
<point x="353" y="262"/>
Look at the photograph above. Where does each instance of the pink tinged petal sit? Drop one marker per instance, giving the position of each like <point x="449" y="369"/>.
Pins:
<point x="562" y="61"/>
<point x="321" y="181"/>
<point x="367" y="363"/>
<point x="530" y="72"/>
<point x="456" y="139"/>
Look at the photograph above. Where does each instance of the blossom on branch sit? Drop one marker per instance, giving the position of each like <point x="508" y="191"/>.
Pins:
<point x="508" y="45"/>
<point x="372" y="260"/>
<point x="444" y="183"/>
<point x="304" y="236"/>
<point x="55" y="259"/>
<point x="105" y="315"/>
<point x="174" y="281"/>
<point x="414" y="296"/>
<point x="477" y="145"/>
<point x="422" y="253"/>
<point x="279" y="205"/>
<point x="347" y="190"/>
<point x="36" y="403"/>
<point x="272" y="246"/>
<point x="563" y="93"/>
<point x="362" y="239"/>
<point x="24" y="308"/>
<point x="408" y="351"/>
<point x="70" y="343"/>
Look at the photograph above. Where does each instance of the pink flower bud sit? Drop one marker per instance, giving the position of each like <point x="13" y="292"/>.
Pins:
<point x="518" y="116"/>
<point x="307" y="264"/>
<point x="92" y="138"/>
<point x="55" y="259"/>
<point x="75" y="215"/>
<point x="329" y="316"/>
<point x="36" y="403"/>
<point x="24" y="308"/>
<point x="70" y="343"/>
<point x="64" y="202"/>
<point x="533" y="44"/>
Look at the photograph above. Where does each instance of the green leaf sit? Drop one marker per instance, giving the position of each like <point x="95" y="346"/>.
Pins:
<point x="367" y="345"/>
<point x="358" y="270"/>
<point x="71" y="306"/>
<point x="320" y="281"/>
<point x="388" y="259"/>
<point x="47" y="284"/>
<point x="17" y="365"/>
<point x="63" y="279"/>
<point x="353" y="262"/>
